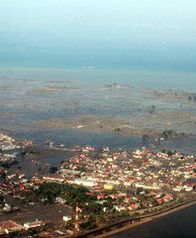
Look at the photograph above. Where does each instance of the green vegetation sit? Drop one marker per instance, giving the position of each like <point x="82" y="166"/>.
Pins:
<point x="92" y="212"/>
<point x="72" y="194"/>
<point x="89" y="225"/>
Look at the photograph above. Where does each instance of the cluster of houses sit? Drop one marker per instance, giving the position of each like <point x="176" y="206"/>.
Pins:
<point x="11" y="184"/>
<point x="7" y="142"/>
<point x="132" y="180"/>
<point x="9" y="149"/>
<point x="137" y="179"/>
<point x="11" y="227"/>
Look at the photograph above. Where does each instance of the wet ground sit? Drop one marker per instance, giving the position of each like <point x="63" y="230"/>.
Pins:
<point x="67" y="112"/>
<point x="49" y="213"/>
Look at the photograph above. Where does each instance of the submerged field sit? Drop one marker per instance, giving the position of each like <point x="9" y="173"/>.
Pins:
<point x="67" y="111"/>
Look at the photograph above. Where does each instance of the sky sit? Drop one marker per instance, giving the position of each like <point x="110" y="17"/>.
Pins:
<point x="136" y="34"/>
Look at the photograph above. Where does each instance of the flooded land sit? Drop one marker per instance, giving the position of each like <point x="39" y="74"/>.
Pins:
<point x="42" y="108"/>
<point x="99" y="153"/>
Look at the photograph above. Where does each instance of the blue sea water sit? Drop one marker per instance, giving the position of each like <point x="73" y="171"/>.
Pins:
<point x="180" y="224"/>
<point x="88" y="76"/>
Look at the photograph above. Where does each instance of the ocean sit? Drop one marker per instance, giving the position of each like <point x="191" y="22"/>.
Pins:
<point x="180" y="224"/>
<point x="90" y="76"/>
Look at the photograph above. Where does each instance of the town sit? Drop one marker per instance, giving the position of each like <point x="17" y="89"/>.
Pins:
<point x="93" y="188"/>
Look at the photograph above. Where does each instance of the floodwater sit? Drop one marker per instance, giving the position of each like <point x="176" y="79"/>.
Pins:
<point x="95" y="77"/>
<point x="27" y="97"/>
<point x="30" y="96"/>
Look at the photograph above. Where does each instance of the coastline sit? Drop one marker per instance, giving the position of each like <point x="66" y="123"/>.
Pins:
<point x="146" y="219"/>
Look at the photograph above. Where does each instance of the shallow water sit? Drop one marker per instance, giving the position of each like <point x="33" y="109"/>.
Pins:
<point x="96" y="77"/>
<point x="70" y="138"/>
<point x="30" y="95"/>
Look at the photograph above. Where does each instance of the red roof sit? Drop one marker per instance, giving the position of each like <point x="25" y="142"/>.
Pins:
<point x="100" y="196"/>
<point x="9" y="225"/>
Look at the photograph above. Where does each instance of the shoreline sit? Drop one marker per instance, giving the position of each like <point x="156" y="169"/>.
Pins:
<point x="146" y="220"/>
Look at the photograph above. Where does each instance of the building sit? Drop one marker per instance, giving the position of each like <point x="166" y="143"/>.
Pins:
<point x="9" y="226"/>
<point x="34" y="224"/>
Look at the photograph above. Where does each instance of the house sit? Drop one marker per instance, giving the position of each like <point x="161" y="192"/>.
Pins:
<point x="187" y="188"/>
<point x="67" y="218"/>
<point x="9" y="226"/>
<point x="119" y="208"/>
<point x="56" y="179"/>
<point x="34" y="224"/>
<point x="7" y="208"/>
<point x="160" y="200"/>
<point x="134" y="206"/>
<point x="108" y="186"/>
<point x="85" y="182"/>
<point x="101" y="196"/>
